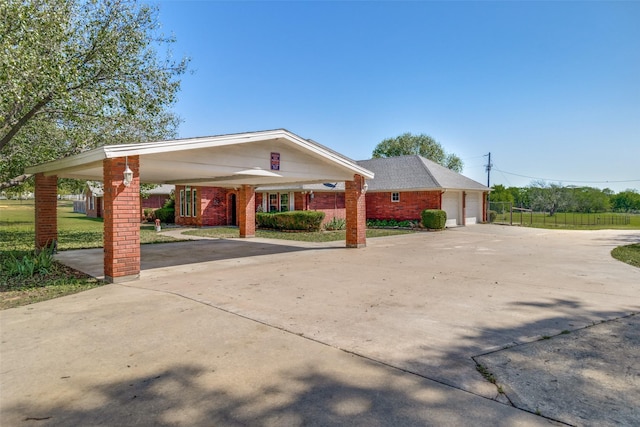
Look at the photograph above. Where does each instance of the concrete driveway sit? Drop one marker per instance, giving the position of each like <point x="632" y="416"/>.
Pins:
<point x="235" y="332"/>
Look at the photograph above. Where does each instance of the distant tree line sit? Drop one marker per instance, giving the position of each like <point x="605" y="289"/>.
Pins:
<point x="552" y="198"/>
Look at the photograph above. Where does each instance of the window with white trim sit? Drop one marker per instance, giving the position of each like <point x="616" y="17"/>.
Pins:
<point x="395" y="197"/>
<point x="194" y="202"/>
<point x="187" y="197"/>
<point x="273" y="202"/>
<point x="278" y="202"/>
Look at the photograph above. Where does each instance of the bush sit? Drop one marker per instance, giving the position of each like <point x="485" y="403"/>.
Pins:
<point x="149" y="215"/>
<point x="166" y="215"/>
<point x="492" y="216"/>
<point x="391" y="223"/>
<point x="293" y="220"/>
<point x="434" y="219"/>
<point x="336" y="224"/>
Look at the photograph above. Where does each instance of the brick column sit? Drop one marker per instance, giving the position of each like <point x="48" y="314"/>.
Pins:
<point x="464" y="208"/>
<point x="121" y="220"/>
<point x="247" y="211"/>
<point x="356" y="212"/>
<point x="484" y="207"/>
<point x="46" y="211"/>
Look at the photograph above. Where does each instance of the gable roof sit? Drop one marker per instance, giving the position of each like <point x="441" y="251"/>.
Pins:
<point x="415" y="173"/>
<point x="222" y="160"/>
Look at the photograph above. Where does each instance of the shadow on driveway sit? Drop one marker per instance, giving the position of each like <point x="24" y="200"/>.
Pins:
<point x="91" y="261"/>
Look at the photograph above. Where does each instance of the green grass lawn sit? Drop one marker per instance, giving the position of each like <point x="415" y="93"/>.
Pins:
<point x="572" y="220"/>
<point x="628" y="253"/>
<point x="323" y="236"/>
<point x="75" y="231"/>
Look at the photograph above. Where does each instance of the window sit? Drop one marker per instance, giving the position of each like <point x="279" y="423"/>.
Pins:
<point x="273" y="202"/>
<point x="187" y="211"/>
<point x="395" y="197"/>
<point x="278" y="202"/>
<point x="182" y="206"/>
<point x="194" y="198"/>
<point x="92" y="203"/>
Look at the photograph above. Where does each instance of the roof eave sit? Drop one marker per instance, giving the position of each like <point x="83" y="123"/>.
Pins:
<point x="71" y="162"/>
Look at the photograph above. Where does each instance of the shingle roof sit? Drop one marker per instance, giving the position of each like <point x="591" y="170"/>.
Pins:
<point x="415" y="173"/>
<point x="162" y="189"/>
<point x="95" y="188"/>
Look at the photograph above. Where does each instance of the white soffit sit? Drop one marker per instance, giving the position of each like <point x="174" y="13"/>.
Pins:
<point x="217" y="160"/>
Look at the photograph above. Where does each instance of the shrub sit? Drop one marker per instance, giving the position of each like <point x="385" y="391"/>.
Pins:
<point x="293" y="220"/>
<point x="171" y="201"/>
<point x="20" y="264"/>
<point x="434" y="219"/>
<point x="492" y="216"/>
<point x="393" y="223"/>
<point x="149" y="214"/>
<point x="166" y="215"/>
<point x="336" y="224"/>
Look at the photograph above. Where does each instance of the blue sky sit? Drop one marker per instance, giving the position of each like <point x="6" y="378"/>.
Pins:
<point x="551" y="89"/>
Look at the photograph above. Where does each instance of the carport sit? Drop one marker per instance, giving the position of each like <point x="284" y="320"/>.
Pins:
<point x="239" y="161"/>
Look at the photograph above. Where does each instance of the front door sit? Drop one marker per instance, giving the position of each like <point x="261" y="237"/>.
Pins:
<point x="233" y="220"/>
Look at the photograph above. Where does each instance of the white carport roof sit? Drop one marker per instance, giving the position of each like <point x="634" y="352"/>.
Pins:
<point x="221" y="161"/>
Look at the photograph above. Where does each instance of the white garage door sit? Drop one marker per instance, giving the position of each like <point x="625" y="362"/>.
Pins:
<point x="451" y="205"/>
<point x="473" y="208"/>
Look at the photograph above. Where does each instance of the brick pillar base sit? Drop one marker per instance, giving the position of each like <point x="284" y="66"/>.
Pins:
<point x="247" y="211"/>
<point x="121" y="221"/>
<point x="46" y="211"/>
<point x="356" y="212"/>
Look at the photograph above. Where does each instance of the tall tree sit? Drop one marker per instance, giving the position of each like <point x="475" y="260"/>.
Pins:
<point x="626" y="201"/>
<point x="548" y="197"/>
<point x="422" y="145"/>
<point x="77" y="74"/>
<point x="501" y="198"/>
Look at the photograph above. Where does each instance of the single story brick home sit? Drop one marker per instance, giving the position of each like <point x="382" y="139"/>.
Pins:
<point x="402" y="188"/>
<point x="94" y="194"/>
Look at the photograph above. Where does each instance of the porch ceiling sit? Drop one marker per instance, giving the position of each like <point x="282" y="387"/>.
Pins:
<point x="222" y="161"/>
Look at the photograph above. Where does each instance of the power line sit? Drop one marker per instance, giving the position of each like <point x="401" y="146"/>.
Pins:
<point x="567" y="180"/>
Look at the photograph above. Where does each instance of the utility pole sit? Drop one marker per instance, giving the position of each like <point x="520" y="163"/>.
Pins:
<point x="488" y="167"/>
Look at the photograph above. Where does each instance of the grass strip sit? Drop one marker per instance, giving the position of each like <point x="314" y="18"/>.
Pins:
<point x="629" y="254"/>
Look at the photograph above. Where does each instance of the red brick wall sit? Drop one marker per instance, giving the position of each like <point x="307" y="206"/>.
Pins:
<point x="46" y="210"/>
<point x="411" y="204"/>
<point x="332" y="204"/>
<point x="154" y="201"/>
<point x="121" y="219"/>
<point x="213" y="206"/>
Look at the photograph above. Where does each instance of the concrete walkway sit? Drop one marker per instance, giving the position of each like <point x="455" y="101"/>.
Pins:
<point x="252" y="332"/>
